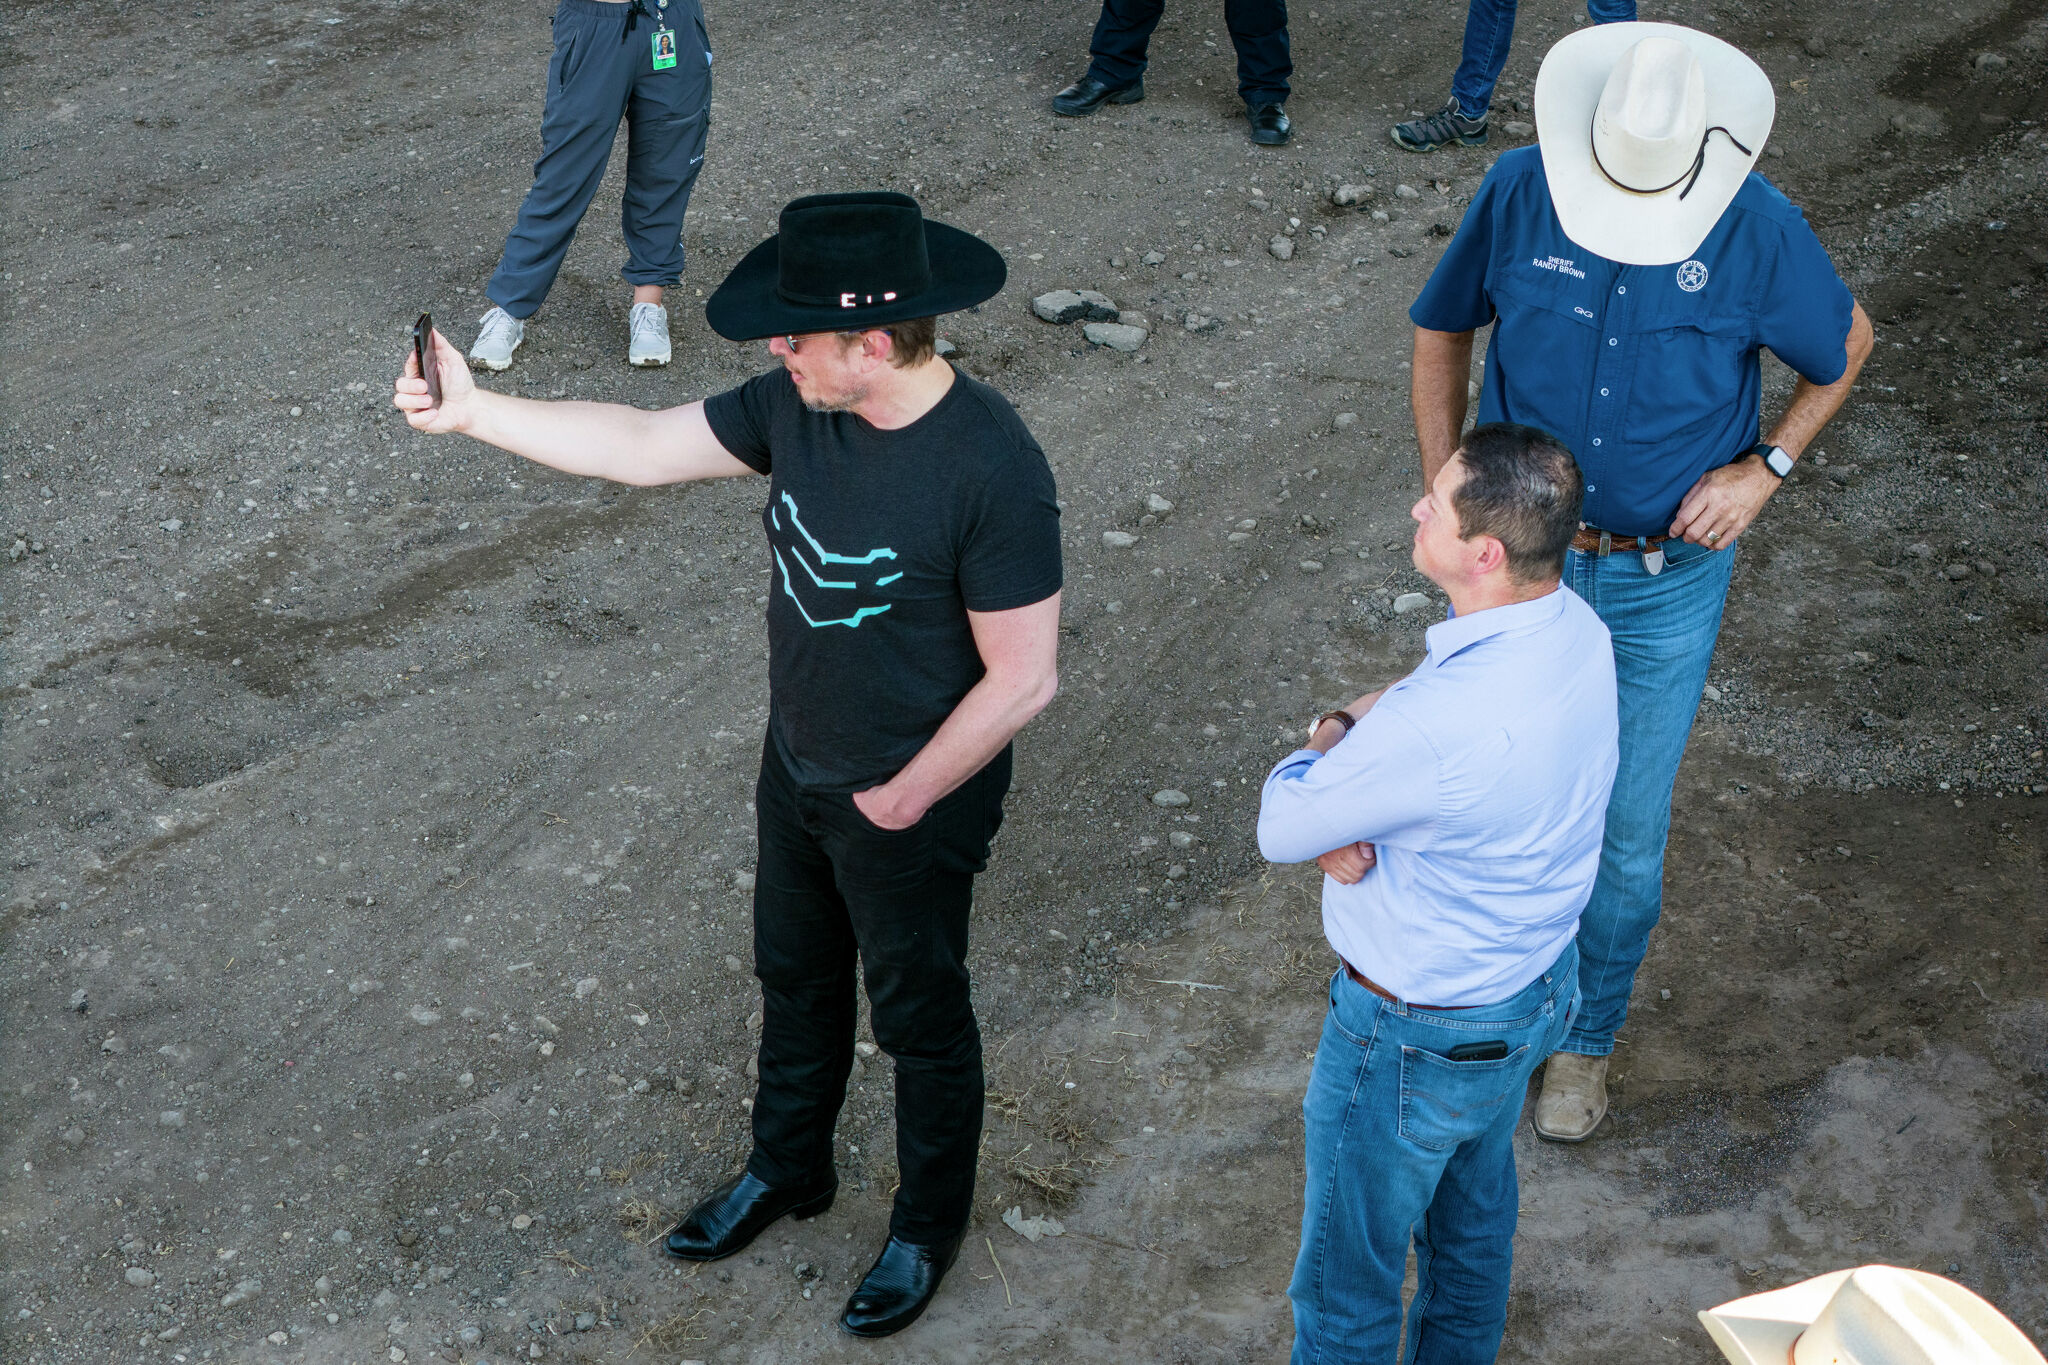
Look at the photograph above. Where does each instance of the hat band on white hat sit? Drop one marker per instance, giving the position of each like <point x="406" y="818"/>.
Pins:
<point x="1689" y="179"/>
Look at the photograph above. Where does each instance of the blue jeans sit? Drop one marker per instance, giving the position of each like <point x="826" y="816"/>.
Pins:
<point x="1403" y="1142"/>
<point x="1489" y="29"/>
<point x="1664" y="627"/>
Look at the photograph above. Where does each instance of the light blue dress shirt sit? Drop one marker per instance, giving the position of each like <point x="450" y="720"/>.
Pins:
<point x="1482" y="780"/>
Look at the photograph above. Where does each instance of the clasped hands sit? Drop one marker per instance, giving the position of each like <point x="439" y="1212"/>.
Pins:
<point x="1349" y="864"/>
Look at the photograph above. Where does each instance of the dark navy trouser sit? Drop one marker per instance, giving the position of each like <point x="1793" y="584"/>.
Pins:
<point x="603" y="71"/>
<point x="1258" y="28"/>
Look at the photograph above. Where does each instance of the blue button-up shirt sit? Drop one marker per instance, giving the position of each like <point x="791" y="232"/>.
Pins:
<point x="1647" y="373"/>
<point x="1482" y="779"/>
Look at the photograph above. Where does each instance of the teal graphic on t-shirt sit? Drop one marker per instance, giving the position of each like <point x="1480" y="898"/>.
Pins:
<point x="829" y="610"/>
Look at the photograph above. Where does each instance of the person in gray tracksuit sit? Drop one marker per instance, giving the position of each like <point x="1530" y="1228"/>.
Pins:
<point x="648" y="62"/>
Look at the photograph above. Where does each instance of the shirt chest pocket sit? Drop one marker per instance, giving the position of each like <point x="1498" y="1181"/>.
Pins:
<point x="1688" y="368"/>
<point x="1543" y="351"/>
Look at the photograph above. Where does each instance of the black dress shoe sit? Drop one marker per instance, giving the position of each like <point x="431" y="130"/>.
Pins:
<point x="1270" y="127"/>
<point x="737" y="1212"/>
<point x="898" y="1288"/>
<point x="1087" y="95"/>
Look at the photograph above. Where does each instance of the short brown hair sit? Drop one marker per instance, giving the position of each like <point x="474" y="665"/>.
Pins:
<point x="1523" y="488"/>
<point x="914" y="340"/>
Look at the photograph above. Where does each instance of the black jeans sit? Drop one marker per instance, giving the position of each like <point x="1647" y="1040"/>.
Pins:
<point x="1258" y="29"/>
<point x="832" y="888"/>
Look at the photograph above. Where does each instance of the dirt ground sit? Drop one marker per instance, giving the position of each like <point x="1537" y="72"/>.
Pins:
<point x="378" y="818"/>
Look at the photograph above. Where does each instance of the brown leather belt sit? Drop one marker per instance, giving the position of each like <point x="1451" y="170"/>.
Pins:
<point x="1362" y="979"/>
<point x="1591" y="540"/>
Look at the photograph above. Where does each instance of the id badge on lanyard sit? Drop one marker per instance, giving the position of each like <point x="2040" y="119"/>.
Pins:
<point x="664" y="44"/>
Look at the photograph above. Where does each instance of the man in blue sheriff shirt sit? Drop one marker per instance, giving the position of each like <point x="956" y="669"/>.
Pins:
<point x="1457" y="815"/>
<point x="1632" y="271"/>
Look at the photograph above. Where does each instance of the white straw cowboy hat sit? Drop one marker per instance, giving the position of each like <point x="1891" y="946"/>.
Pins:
<point x="1647" y="131"/>
<point x="1873" y="1315"/>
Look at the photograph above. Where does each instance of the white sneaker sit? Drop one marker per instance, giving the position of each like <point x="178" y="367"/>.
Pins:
<point x="650" y="335"/>
<point x="498" y="338"/>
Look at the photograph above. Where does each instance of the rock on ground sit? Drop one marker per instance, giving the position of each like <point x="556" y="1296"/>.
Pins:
<point x="1115" y="335"/>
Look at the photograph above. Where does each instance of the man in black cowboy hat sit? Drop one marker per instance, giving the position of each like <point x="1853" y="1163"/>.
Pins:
<point x="912" y="626"/>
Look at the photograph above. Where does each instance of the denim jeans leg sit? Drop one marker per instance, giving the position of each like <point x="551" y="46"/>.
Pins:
<point x="1346" y="1287"/>
<point x="1464" y="1244"/>
<point x="1402" y="1142"/>
<point x="1464" y="1249"/>
<point x="1489" y="30"/>
<point x="1664" y="627"/>
<point x="1611" y="11"/>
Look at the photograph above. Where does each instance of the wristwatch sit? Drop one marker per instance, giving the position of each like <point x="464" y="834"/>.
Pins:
<point x="1774" y="458"/>
<point x="1341" y="716"/>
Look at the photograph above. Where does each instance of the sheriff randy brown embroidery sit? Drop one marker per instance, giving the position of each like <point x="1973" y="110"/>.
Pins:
<point x="785" y="519"/>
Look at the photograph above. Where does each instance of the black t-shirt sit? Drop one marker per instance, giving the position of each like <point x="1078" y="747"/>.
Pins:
<point x="881" y="542"/>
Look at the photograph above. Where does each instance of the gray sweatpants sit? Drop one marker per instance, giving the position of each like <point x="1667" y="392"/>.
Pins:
<point x="603" y="70"/>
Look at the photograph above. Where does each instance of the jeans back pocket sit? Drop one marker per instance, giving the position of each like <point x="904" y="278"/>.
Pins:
<point x="1444" y="1103"/>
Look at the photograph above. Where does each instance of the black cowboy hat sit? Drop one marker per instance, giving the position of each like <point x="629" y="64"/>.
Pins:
<point x="843" y="262"/>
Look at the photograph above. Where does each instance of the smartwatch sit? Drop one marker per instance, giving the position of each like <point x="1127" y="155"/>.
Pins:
<point x="1775" y="459"/>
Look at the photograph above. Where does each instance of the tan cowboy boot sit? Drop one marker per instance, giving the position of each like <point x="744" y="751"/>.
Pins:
<point x="1574" y="1097"/>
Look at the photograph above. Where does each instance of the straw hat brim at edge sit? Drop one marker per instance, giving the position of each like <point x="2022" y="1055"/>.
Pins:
<point x="1644" y="229"/>
<point x="1761" y="1329"/>
<point x="748" y="306"/>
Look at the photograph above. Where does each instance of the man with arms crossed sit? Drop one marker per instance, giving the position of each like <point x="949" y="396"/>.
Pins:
<point x="912" y="626"/>
<point x="1633" y="264"/>
<point x="1457" y="815"/>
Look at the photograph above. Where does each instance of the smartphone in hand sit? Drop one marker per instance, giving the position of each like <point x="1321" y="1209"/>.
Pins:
<point x="423" y="352"/>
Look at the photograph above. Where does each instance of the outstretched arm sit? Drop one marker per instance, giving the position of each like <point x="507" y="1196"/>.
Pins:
<point x="596" y="440"/>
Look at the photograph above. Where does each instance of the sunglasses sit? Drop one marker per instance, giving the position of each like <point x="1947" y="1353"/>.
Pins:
<point x="794" y="349"/>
